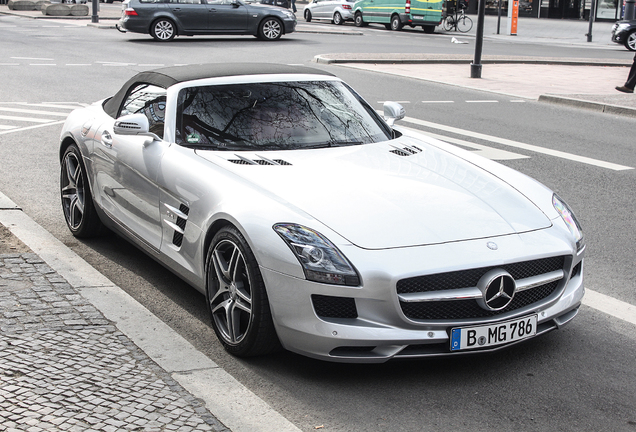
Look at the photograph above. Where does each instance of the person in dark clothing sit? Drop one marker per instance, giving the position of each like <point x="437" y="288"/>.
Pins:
<point x="631" y="80"/>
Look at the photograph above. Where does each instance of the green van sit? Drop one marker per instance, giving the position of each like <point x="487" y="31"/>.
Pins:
<point x="395" y="14"/>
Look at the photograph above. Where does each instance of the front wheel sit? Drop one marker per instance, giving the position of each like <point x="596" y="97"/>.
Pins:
<point x="77" y="203"/>
<point x="308" y="15"/>
<point x="270" y="29"/>
<point x="630" y="41"/>
<point x="236" y="297"/>
<point x="359" y="22"/>
<point x="396" y="23"/>
<point x="464" y="24"/>
<point x="337" y="19"/>
<point x="163" y="30"/>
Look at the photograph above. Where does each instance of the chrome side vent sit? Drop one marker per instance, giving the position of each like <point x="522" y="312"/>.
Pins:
<point x="127" y="125"/>
<point x="178" y="226"/>
<point x="405" y="150"/>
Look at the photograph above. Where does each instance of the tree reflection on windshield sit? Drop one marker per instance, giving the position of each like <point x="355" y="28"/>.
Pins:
<point x="275" y="116"/>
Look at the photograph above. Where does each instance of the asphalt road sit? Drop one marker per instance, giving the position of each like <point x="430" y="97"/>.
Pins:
<point x="581" y="377"/>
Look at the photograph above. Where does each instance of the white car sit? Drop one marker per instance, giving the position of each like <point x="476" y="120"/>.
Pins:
<point x="335" y="11"/>
<point x="311" y="223"/>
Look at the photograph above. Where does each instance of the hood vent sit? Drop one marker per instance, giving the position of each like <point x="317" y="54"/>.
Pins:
<point x="405" y="150"/>
<point x="260" y="161"/>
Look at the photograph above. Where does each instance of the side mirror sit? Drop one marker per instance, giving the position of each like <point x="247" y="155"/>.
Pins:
<point x="393" y="112"/>
<point x="134" y="124"/>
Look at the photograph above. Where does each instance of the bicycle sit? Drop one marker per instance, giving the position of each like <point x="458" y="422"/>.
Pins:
<point x="459" y="22"/>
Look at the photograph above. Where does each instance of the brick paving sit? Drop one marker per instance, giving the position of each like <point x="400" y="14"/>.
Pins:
<point x="64" y="367"/>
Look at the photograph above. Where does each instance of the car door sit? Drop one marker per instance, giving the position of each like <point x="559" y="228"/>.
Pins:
<point x="192" y="15"/>
<point x="126" y="168"/>
<point x="227" y="16"/>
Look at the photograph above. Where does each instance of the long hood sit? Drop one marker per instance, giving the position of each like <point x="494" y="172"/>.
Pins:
<point x="393" y="194"/>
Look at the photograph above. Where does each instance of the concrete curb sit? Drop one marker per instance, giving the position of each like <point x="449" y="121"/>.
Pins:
<point x="228" y="400"/>
<point x="460" y="59"/>
<point x="595" y="106"/>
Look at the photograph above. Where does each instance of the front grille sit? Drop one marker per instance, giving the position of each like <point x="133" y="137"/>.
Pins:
<point x="334" y="307"/>
<point x="469" y="308"/>
<point x="469" y="278"/>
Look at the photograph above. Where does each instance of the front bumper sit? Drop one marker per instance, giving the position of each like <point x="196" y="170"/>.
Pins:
<point x="379" y="330"/>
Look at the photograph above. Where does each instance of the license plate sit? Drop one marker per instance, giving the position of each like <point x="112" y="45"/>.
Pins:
<point x="418" y="17"/>
<point x="466" y="338"/>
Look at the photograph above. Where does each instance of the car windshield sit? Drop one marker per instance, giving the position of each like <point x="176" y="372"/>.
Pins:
<point x="276" y="116"/>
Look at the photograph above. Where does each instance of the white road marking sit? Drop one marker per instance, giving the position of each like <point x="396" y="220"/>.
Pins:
<point x="517" y="101"/>
<point x="26" y="111"/>
<point x="482" y="150"/>
<point x="400" y="102"/>
<point x="61" y="105"/>
<point x="481" y="101"/>
<point x="32" y="58"/>
<point x="32" y="127"/>
<point x="7" y="127"/>
<point x="27" y="119"/>
<point x="436" y="102"/>
<point x="78" y="64"/>
<point x="611" y="306"/>
<point x="516" y="144"/>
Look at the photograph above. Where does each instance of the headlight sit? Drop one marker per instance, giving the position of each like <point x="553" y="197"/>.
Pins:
<point x="288" y="14"/>
<point x="570" y="220"/>
<point x="320" y="259"/>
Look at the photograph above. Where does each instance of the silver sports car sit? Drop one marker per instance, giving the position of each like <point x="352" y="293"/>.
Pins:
<point x="312" y="223"/>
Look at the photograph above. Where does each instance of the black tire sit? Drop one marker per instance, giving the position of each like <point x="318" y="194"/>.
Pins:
<point x="77" y="202"/>
<point x="163" y="30"/>
<point x="448" y="23"/>
<point x="428" y="29"/>
<point x="270" y="29"/>
<point x="308" y="15"/>
<point x="396" y="23"/>
<point x="337" y="19"/>
<point x="236" y="297"/>
<point x="358" y="20"/>
<point x="464" y="24"/>
<point x="630" y="41"/>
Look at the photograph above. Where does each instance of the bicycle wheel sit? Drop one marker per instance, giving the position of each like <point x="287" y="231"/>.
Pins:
<point x="464" y="24"/>
<point x="448" y="23"/>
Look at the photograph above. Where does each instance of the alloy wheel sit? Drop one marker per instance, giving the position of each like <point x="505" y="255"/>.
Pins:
<point x="231" y="299"/>
<point x="630" y="42"/>
<point x="163" y="30"/>
<point x="271" y="29"/>
<point x="73" y="191"/>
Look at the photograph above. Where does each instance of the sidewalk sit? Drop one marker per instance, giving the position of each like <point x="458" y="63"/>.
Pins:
<point x="78" y="354"/>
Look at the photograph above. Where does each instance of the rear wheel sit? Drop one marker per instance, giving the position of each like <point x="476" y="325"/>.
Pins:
<point x="630" y="41"/>
<point x="308" y="15"/>
<point x="396" y="23"/>
<point x="163" y="30"/>
<point x="448" y="23"/>
<point x="236" y="297"/>
<point x="337" y="19"/>
<point x="77" y="202"/>
<point x="270" y="29"/>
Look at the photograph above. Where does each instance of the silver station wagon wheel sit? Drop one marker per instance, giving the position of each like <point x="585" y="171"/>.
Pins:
<point x="270" y="29"/>
<point x="236" y="297"/>
<point x="77" y="203"/>
<point x="163" y="30"/>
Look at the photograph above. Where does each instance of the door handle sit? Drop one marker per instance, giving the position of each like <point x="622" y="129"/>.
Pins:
<point x="107" y="139"/>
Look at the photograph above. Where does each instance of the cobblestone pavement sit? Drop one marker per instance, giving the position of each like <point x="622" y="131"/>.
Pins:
<point x="64" y="367"/>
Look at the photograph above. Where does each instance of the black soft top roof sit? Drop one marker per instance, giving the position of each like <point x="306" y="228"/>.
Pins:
<point x="165" y="77"/>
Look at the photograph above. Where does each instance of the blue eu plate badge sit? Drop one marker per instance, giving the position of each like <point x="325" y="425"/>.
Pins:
<point x="456" y="339"/>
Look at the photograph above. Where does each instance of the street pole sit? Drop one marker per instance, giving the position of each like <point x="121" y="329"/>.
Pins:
<point x="629" y="9"/>
<point x="475" y="66"/>
<point x="95" y="17"/>
<point x="498" y="15"/>
<point x="592" y="18"/>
